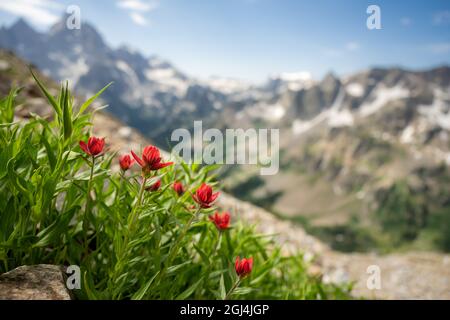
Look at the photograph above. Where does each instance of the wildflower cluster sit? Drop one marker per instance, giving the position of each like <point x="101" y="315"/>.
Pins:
<point x="204" y="196"/>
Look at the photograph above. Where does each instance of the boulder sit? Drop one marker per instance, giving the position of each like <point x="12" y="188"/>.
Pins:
<point x="37" y="282"/>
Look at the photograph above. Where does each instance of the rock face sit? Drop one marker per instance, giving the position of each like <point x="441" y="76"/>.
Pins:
<point x="38" y="282"/>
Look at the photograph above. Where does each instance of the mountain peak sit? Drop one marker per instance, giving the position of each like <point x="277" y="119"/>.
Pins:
<point x="330" y="77"/>
<point x="86" y="37"/>
<point x="85" y="28"/>
<point x="21" y="26"/>
<point x="293" y="81"/>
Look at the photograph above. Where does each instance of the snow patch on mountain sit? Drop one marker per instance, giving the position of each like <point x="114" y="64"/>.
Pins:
<point x="268" y="112"/>
<point x="227" y="85"/>
<point x="380" y="96"/>
<point x="294" y="81"/>
<point x="302" y="76"/>
<point x="125" y="67"/>
<point x="72" y="70"/>
<point x="300" y="126"/>
<point x="340" y="118"/>
<point x="355" y="89"/>
<point x="407" y="134"/>
<point x="167" y="80"/>
<point x="437" y="113"/>
<point x="335" y="116"/>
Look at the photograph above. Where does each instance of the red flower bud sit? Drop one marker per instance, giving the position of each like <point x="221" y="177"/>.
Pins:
<point x="151" y="159"/>
<point x="125" y="162"/>
<point x="154" y="187"/>
<point x="93" y="147"/>
<point x="243" y="267"/>
<point x="178" y="187"/>
<point x="222" y="221"/>
<point x="204" y="196"/>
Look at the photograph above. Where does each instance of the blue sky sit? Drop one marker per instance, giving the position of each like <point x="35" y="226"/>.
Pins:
<point x="252" y="39"/>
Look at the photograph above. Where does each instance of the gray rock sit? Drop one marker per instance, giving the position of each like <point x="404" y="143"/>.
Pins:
<point x="4" y="65"/>
<point x="37" y="282"/>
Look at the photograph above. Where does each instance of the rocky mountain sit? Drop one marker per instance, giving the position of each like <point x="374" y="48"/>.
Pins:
<point x="364" y="158"/>
<point x="148" y="91"/>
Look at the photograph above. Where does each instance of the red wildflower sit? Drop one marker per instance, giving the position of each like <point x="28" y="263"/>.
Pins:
<point x="222" y="221"/>
<point x="178" y="187"/>
<point x="155" y="186"/>
<point x="151" y="159"/>
<point x="125" y="162"/>
<point x="93" y="147"/>
<point x="243" y="267"/>
<point x="204" y="196"/>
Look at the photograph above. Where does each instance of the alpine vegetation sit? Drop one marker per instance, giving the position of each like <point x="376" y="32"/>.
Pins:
<point x="151" y="230"/>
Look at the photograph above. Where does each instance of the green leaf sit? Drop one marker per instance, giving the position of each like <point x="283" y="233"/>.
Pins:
<point x="8" y="104"/>
<point x="87" y="285"/>
<point x="186" y="293"/>
<point x="176" y="267"/>
<point x="67" y="113"/>
<point x="223" y="292"/>
<point x="49" y="151"/>
<point x="46" y="235"/>
<point x="47" y="94"/>
<point x="142" y="291"/>
<point x="185" y="169"/>
<point x="242" y="291"/>
<point x="88" y="102"/>
<point x="202" y="255"/>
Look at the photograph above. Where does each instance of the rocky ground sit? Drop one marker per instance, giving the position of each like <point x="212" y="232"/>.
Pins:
<point x="39" y="282"/>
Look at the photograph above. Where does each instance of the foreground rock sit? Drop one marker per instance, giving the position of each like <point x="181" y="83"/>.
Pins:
<point x="38" y="282"/>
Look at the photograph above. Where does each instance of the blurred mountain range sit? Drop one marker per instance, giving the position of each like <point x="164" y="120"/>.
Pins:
<point x="364" y="159"/>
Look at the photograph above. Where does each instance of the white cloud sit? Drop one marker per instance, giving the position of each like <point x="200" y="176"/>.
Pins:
<point x="439" y="48"/>
<point x="41" y="12"/>
<point x="138" y="18"/>
<point x="137" y="8"/>
<point x="137" y="5"/>
<point x="441" y="18"/>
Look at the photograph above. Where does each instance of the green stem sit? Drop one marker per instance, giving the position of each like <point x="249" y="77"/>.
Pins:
<point x="87" y="209"/>
<point x="182" y="235"/>
<point x="217" y="246"/>
<point x="175" y="248"/>
<point x="138" y="204"/>
<point x="121" y="182"/>
<point x="213" y="253"/>
<point x="123" y="249"/>
<point x="236" y="284"/>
